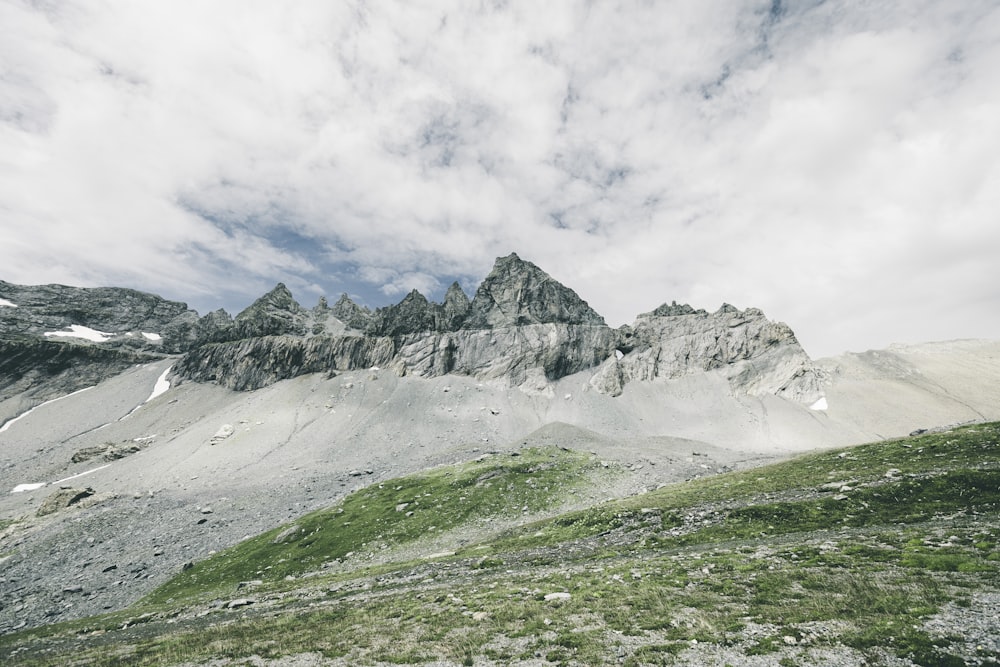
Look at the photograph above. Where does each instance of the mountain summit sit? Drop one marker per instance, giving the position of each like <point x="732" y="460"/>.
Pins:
<point x="516" y="292"/>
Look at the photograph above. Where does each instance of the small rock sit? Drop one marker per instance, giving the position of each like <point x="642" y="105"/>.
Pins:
<point x="402" y="506"/>
<point x="788" y="639"/>
<point x="240" y="602"/>
<point x="549" y="597"/>
<point x="73" y="589"/>
<point x="224" y="432"/>
<point x="479" y="616"/>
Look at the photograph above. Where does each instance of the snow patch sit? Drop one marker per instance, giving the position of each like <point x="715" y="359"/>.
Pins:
<point x="819" y="405"/>
<point x="21" y="488"/>
<point x="5" y="302"/>
<point x="155" y="337"/>
<point x="25" y="414"/>
<point x="619" y="354"/>
<point x="85" y="472"/>
<point x="78" y="331"/>
<point x="162" y="384"/>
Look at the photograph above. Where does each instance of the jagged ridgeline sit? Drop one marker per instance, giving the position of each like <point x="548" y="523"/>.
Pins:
<point x="521" y="326"/>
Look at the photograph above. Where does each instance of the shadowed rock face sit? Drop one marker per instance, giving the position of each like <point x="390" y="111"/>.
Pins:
<point x="42" y="369"/>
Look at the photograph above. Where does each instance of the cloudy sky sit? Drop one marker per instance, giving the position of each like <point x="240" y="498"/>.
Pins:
<point x="835" y="163"/>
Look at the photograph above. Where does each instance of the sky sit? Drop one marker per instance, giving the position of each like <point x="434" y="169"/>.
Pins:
<point x="834" y="163"/>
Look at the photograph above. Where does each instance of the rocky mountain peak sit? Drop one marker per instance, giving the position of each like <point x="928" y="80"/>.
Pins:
<point x="273" y="314"/>
<point x="351" y="314"/>
<point x="456" y="307"/>
<point x="517" y="293"/>
<point x="414" y="314"/>
<point x="673" y="309"/>
<point x="279" y="299"/>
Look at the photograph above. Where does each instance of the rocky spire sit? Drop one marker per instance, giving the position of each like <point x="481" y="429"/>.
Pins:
<point x="517" y="292"/>
<point x="673" y="309"/>
<point x="414" y="314"/>
<point x="273" y="314"/>
<point x="351" y="314"/>
<point x="456" y="308"/>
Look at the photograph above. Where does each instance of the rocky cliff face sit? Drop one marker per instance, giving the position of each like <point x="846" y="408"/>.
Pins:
<point x="517" y="293"/>
<point x="756" y="355"/>
<point x="522" y="326"/>
<point x="56" y="339"/>
<point x="112" y="316"/>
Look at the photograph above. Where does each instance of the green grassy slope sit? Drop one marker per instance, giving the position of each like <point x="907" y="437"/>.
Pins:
<point x="850" y="552"/>
<point x="391" y="515"/>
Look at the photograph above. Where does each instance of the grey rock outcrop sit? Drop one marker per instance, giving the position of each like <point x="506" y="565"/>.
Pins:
<point x="556" y="349"/>
<point x="414" y="314"/>
<point x="756" y="355"/>
<point x="130" y="318"/>
<point x="274" y="314"/>
<point x="456" y="308"/>
<point x="214" y="327"/>
<point x="516" y="293"/>
<point x="351" y="314"/>
<point x="63" y="498"/>
<point x="252" y="363"/>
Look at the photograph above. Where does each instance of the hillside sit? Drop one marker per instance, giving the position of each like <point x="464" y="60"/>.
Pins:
<point x="884" y="553"/>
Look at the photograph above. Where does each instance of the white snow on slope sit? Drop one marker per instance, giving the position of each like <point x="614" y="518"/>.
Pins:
<point x="5" y="302"/>
<point x="819" y="405"/>
<point x="78" y="331"/>
<point x="25" y="414"/>
<point x="155" y="337"/>
<point x="161" y="386"/>
<point x="20" y="488"/>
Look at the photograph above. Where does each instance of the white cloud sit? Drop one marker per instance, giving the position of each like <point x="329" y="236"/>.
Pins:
<point x="831" y="162"/>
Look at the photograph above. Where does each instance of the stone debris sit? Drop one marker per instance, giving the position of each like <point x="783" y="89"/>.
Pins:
<point x="63" y="498"/>
<point x="240" y="602"/>
<point x="224" y="432"/>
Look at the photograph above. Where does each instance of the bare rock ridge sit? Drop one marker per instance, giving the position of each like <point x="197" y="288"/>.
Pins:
<point x="522" y="326"/>
<point x="56" y="339"/>
<point x="127" y="318"/>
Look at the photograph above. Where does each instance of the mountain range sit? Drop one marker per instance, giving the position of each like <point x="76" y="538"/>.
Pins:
<point x="138" y="438"/>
